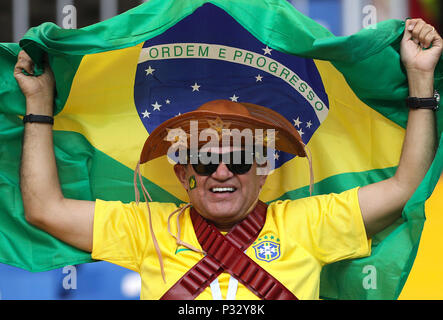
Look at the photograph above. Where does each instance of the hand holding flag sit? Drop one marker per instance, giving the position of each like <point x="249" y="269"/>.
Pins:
<point x="421" y="47"/>
<point x="38" y="90"/>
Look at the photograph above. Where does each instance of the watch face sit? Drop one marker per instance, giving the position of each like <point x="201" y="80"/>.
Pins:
<point x="437" y="96"/>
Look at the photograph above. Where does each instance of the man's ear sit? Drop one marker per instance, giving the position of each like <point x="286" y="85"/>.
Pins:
<point x="181" y="173"/>
<point x="262" y="180"/>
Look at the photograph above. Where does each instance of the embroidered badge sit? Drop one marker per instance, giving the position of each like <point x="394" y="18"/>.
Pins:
<point x="267" y="248"/>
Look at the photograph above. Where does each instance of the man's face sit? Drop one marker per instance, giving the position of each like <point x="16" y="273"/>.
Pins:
<point x="223" y="197"/>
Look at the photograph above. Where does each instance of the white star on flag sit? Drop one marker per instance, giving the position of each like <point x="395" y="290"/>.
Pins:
<point x="156" y="106"/>
<point x="276" y="156"/>
<point x="308" y="124"/>
<point x="267" y="50"/>
<point x="258" y="78"/>
<point x="297" y="122"/>
<point x="149" y="71"/>
<point x="146" y="114"/>
<point x="300" y="132"/>
<point x="195" y="87"/>
<point x="234" y="98"/>
<point x="168" y="101"/>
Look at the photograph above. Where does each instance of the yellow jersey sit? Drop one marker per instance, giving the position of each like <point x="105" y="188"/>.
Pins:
<point x="299" y="237"/>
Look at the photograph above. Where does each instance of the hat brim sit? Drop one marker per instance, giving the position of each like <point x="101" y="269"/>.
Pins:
<point x="287" y="137"/>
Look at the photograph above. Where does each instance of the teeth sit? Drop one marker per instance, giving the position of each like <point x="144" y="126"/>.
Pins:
<point x="223" y="189"/>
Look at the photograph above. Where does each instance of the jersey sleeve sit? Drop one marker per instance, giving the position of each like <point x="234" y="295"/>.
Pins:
<point x="329" y="226"/>
<point x="120" y="234"/>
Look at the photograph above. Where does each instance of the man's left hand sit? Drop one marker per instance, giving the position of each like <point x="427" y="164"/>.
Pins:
<point x="421" y="47"/>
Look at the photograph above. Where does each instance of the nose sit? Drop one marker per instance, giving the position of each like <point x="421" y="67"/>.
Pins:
<point x="222" y="172"/>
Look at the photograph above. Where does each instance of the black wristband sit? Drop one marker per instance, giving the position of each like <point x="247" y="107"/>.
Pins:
<point x="424" y="103"/>
<point x="38" y="118"/>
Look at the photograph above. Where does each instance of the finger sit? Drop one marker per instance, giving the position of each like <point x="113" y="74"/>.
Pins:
<point x="26" y="65"/>
<point x="422" y="37"/>
<point x="430" y="38"/>
<point x="411" y="23"/>
<point x="24" y="62"/>
<point x="409" y="26"/>
<point x="23" y="55"/>
<point x="417" y="29"/>
<point x="437" y="41"/>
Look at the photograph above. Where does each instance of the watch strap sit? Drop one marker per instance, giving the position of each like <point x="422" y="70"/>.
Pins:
<point x="423" y="103"/>
<point x="38" y="119"/>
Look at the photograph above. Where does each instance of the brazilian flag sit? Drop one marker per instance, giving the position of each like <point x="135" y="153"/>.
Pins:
<point x="119" y="79"/>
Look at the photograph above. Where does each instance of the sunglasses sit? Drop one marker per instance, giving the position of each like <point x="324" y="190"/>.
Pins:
<point x="238" y="162"/>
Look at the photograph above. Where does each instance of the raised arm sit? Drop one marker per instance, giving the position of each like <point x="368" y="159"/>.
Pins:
<point x="45" y="206"/>
<point x="382" y="203"/>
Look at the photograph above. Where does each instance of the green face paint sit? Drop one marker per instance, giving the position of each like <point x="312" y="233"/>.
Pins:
<point x="192" y="182"/>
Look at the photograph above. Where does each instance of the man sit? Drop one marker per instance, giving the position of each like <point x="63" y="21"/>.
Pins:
<point x="228" y="253"/>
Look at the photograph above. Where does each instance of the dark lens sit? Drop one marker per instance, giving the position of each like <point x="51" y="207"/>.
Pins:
<point x="241" y="162"/>
<point x="239" y="168"/>
<point x="205" y="169"/>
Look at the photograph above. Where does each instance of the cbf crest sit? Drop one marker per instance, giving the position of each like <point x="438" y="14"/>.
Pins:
<point x="267" y="248"/>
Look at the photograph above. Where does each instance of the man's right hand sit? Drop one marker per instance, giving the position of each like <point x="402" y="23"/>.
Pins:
<point x="38" y="90"/>
<point x="43" y="201"/>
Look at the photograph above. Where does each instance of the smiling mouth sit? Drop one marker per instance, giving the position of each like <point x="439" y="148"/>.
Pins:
<point x="223" y="190"/>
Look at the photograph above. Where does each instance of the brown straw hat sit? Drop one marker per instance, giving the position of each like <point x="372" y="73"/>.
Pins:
<point x="225" y="114"/>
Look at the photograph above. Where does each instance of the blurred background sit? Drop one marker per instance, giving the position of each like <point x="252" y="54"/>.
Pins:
<point x="342" y="17"/>
<point x="102" y="280"/>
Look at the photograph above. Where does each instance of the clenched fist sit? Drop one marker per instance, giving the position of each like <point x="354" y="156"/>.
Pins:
<point x="38" y="90"/>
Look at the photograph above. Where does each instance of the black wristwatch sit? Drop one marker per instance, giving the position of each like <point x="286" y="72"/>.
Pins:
<point x="424" y="103"/>
<point x="38" y="118"/>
